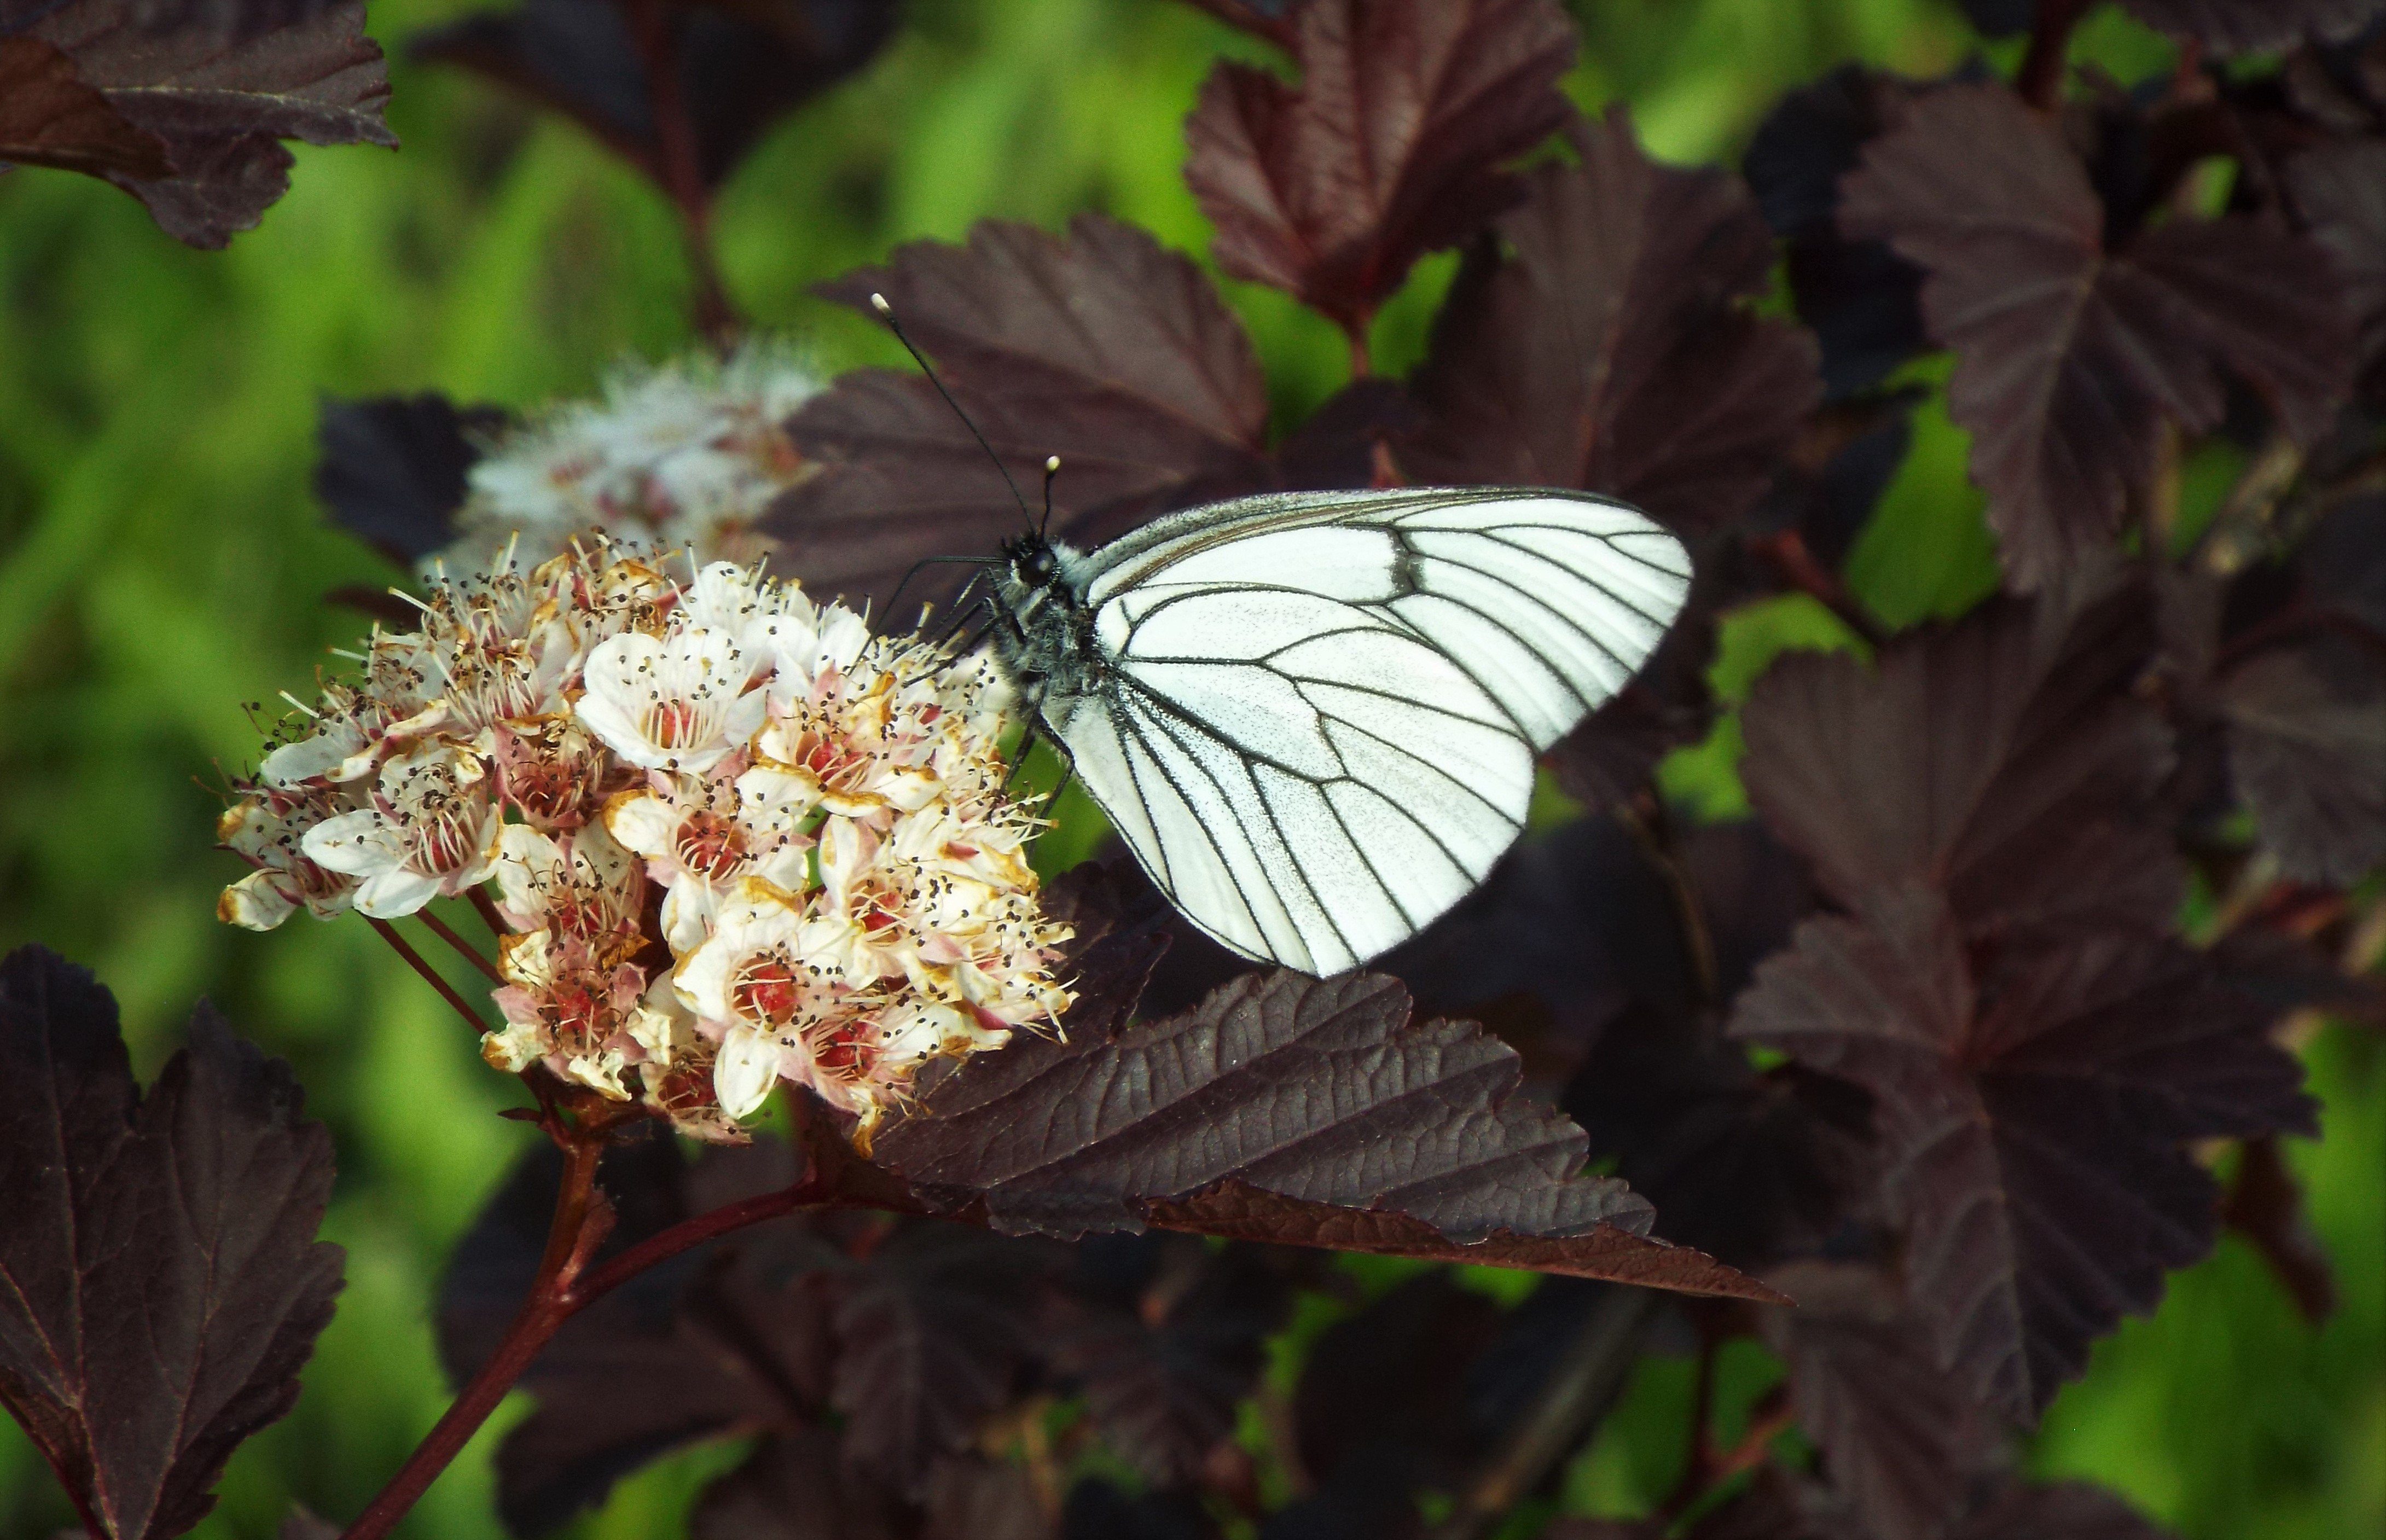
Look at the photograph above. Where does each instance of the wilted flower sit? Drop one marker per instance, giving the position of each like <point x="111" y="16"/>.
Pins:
<point x="845" y="891"/>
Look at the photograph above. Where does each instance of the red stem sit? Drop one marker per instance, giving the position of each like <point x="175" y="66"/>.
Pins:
<point x="682" y="169"/>
<point x="440" y="929"/>
<point x="2040" y="78"/>
<point x="1360" y="365"/>
<point x="581" y="1221"/>
<point x="486" y="907"/>
<point x="430" y="975"/>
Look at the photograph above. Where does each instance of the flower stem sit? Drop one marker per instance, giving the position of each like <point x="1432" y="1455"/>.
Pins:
<point x="441" y="929"/>
<point x="582" y="1220"/>
<point x="681" y="171"/>
<point x="430" y="975"/>
<point x="2041" y="77"/>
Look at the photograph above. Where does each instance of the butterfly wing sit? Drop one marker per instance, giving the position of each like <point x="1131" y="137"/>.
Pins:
<point x="1319" y="713"/>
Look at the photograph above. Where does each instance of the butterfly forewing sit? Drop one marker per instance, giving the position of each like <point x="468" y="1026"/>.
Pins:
<point x="1317" y="712"/>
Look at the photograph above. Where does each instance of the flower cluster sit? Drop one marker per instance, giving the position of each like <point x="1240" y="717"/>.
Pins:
<point x="683" y="457"/>
<point x="733" y="837"/>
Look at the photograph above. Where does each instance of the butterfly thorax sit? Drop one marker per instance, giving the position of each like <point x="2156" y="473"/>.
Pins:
<point x="1043" y="633"/>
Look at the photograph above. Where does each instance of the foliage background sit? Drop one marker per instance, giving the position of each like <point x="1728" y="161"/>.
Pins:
<point x="162" y="561"/>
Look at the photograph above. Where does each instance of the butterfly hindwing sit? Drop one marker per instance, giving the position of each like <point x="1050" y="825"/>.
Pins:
<point x="1317" y="713"/>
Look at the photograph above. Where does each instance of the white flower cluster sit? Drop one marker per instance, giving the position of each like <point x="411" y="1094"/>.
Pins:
<point x="735" y="838"/>
<point x="683" y="456"/>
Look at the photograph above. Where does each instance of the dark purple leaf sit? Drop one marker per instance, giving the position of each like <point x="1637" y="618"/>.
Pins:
<point x="1312" y="1112"/>
<point x="932" y="1334"/>
<point x="1100" y="1510"/>
<point x="2066" y="1510"/>
<point x="2257" y="26"/>
<point x="160" y="1285"/>
<point x="48" y="117"/>
<point x="1860" y="297"/>
<point x="2036" y="1117"/>
<point x="391" y="469"/>
<point x="2265" y="1205"/>
<point x="716" y="1340"/>
<point x="2308" y="751"/>
<point x="742" y="65"/>
<point x="2001" y="18"/>
<point x="2345" y="562"/>
<point x="980" y="1499"/>
<point x="1101" y="347"/>
<point x="2340" y="188"/>
<point x="1781" y="1505"/>
<point x="219" y="103"/>
<point x="1377" y="1405"/>
<point x="795" y="1486"/>
<point x="2069" y="358"/>
<point x="1899" y="1437"/>
<point x="1747" y="1166"/>
<point x="1389" y="148"/>
<point x="1613" y="350"/>
<point x="2003" y="760"/>
<point x="1164" y="1364"/>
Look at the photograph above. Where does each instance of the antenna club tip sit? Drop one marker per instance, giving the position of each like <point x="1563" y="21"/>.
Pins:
<point x="878" y="303"/>
<point x="1051" y="464"/>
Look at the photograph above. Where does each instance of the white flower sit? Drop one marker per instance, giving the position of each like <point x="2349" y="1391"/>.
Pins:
<point x="266" y="830"/>
<point x="430" y="833"/>
<point x="675" y="702"/>
<point x="581" y="885"/>
<point x="699" y="836"/>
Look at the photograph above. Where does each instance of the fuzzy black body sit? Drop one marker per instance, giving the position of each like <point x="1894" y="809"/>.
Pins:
<point x="1043" y="629"/>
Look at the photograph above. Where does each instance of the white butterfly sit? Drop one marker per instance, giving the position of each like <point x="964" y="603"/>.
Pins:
<point x="1314" y="716"/>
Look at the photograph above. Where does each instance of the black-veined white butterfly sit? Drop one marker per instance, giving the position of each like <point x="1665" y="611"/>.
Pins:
<point x="1314" y="716"/>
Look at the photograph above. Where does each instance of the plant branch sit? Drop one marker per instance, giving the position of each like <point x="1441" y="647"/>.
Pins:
<point x="443" y="932"/>
<point x="1790" y="556"/>
<point x="2039" y="81"/>
<point x="1588" y="1375"/>
<point x="430" y="975"/>
<point x="486" y="907"/>
<point x="1698" y="1453"/>
<point x="583" y="1217"/>
<point x="682" y="169"/>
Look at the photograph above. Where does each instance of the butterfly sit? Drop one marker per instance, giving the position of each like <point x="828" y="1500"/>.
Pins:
<point x="1314" y="716"/>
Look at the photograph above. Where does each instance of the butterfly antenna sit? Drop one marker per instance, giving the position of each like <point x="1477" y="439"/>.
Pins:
<point x="1052" y="471"/>
<point x="886" y="313"/>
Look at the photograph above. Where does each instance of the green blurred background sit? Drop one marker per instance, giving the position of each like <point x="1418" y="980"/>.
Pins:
<point x="161" y="562"/>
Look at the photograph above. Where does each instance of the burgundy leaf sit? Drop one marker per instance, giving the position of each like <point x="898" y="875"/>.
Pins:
<point x="932" y="1331"/>
<point x="1163" y="1367"/>
<point x="48" y="117"/>
<point x="1613" y="350"/>
<point x="1781" y="1505"/>
<point x="2066" y="1510"/>
<point x="2036" y="1118"/>
<point x="392" y="469"/>
<point x="795" y="1486"/>
<point x="1748" y="1166"/>
<point x="1860" y="297"/>
<point x="2266" y="1205"/>
<point x="742" y="65"/>
<point x="160" y="1285"/>
<point x="1101" y="347"/>
<point x="2003" y="760"/>
<point x="1100" y="1509"/>
<point x="715" y="1340"/>
<point x="1389" y="148"/>
<point x="2068" y="358"/>
<point x="2341" y="187"/>
<point x="983" y="1499"/>
<point x="219" y="103"/>
<point x="2255" y="26"/>
<point x="1314" y="1111"/>
<point x="2307" y="750"/>
<point x="1899" y="1436"/>
<point x="1379" y="1413"/>
<point x="2345" y="562"/>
